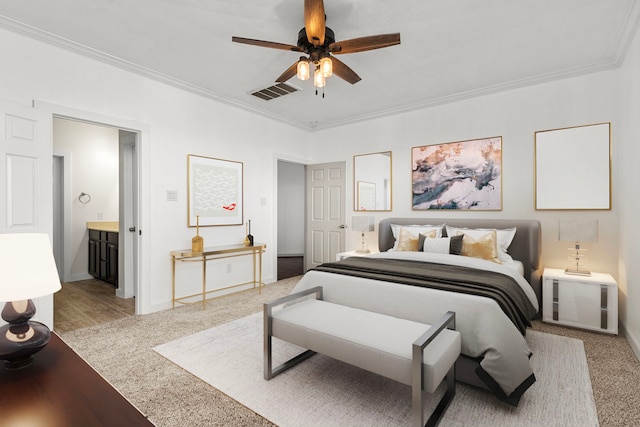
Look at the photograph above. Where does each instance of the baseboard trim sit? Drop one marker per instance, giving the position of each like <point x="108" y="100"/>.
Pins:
<point x="632" y="340"/>
<point x="81" y="276"/>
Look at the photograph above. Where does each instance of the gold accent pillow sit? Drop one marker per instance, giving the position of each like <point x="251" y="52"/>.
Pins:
<point x="484" y="247"/>
<point x="407" y="241"/>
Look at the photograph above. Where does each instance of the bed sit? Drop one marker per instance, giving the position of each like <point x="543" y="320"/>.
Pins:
<point x="495" y="354"/>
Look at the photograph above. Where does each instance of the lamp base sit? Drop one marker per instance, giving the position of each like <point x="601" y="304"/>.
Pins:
<point x="577" y="272"/>
<point x="21" y="338"/>
<point x="12" y="365"/>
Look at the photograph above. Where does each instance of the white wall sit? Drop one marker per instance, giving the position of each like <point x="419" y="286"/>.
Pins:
<point x="515" y="115"/>
<point x="177" y="123"/>
<point x="629" y="177"/>
<point x="94" y="170"/>
<point x="611" y="96"/>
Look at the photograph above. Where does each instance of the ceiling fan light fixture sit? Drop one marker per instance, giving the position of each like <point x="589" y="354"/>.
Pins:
<point x="318" y="78"/>
<point x="302" y="70"/>
<point x="326" y="67"/>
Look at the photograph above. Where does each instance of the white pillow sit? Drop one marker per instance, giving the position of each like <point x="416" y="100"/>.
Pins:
<point x="416" y="230"/>
<point x="437" y="245"/>
<point x="504" y="238"/>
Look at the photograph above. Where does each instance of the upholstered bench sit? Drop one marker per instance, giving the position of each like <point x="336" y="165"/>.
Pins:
<point x="412" y="353"/>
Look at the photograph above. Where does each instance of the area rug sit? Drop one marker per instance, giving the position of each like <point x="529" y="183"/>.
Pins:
<point x="324" y="392"/>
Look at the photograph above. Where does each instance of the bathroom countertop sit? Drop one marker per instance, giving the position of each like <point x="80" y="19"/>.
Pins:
<point x="113" y="226"/>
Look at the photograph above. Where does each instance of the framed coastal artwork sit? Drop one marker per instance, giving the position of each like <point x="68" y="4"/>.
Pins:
<point x="464" y="175"/>
<point x="214" y="191"/>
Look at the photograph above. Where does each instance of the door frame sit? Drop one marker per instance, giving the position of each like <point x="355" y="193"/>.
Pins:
<point x="128" y="213"/>
<point x="277" y="157"/>
<point x="65" y="204"/>
<point x="142" y="291"/>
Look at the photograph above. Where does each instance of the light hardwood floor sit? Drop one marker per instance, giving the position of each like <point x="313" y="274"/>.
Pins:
<point x="86" y="303"/>
<point x="91" y="302"/>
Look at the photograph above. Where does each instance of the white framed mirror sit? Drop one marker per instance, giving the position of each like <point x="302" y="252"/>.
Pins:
<point x="573" y="167"/>
<point x="372" y="181"/>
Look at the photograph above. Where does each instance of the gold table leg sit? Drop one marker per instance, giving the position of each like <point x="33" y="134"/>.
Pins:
<point x="173" y="282"/>
<point x="204" y="281"/>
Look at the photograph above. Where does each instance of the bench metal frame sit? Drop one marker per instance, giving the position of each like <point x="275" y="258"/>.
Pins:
<point x="268" y="371"/>
<point x="447" y="321"/>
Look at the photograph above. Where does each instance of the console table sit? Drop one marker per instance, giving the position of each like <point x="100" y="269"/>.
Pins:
<point x="213" y="253"/>
<point x="60" y="389"/>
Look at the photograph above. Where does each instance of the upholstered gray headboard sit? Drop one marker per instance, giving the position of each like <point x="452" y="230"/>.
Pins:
<point x="526" y="246"/>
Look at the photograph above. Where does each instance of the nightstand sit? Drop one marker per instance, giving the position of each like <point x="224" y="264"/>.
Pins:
<point x="587" y="302"/>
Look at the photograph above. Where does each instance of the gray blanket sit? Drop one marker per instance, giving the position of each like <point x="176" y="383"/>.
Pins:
<point x="503" y="289"/>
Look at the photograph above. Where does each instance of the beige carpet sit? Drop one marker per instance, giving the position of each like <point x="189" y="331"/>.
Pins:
<point x="122" y="351"/>
<point x="322" y="391"/>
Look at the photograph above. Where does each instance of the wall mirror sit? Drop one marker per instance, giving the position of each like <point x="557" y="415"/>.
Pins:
<point x="573" y="167"/>
<point x="372" y="181"/>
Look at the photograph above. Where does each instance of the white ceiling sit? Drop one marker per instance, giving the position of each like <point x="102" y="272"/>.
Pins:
<point x="450" y="49"/>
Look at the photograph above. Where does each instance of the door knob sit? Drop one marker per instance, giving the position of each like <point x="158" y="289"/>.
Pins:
<point x="343" y="226"/>
<point x="132" y="229"/>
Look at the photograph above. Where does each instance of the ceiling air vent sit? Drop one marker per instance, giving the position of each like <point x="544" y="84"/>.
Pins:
<point x="275" y="91"/>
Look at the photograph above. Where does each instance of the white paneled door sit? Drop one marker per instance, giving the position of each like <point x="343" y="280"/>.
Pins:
<point x="26" y="205"/>
<point x="325" y="207"/>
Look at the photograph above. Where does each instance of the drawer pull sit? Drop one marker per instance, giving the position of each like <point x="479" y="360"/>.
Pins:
<point x="555" y="299"/>
<point x="604" y="312"/>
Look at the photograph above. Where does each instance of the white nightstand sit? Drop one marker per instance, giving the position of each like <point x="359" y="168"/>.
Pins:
<point x="342" y="255"/>
<point x="587" y="302"/>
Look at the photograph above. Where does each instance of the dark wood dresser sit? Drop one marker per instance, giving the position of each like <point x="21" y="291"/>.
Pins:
<point x="61" y="389"/>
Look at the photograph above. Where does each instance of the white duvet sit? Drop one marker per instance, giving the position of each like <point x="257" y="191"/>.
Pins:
<point x="487" y="333"/>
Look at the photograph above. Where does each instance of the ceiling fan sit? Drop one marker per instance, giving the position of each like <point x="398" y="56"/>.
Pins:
<point x="318" y="41"/>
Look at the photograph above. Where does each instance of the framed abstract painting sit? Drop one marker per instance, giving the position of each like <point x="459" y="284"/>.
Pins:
<point x="215" y="191"/>
<point x="464" y="175"/>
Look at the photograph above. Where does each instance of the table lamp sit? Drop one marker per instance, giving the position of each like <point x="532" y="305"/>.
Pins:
<point x="27" y="270"/>
<point x="362" y="224"/>
<point x="578" y="231"/>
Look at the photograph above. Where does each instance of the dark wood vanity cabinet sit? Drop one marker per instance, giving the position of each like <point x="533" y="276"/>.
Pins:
<point x="103" y="255"/>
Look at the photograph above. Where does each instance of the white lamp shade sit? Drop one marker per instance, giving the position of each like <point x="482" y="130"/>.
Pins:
<point x="582" y="230"/>
<point x="362" y="223"/>
<point x="27" y="267"/>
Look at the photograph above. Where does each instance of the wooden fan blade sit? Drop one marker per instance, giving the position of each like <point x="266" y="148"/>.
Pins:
<point x="262" y="43"/>
<point x="314" y="22"/>
<point x="362" y="44"/>
<point x="289" y="72"/>
<point x="341" y="70"/>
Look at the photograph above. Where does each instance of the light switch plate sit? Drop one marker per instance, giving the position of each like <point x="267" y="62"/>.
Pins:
<point x="172" y="196"/>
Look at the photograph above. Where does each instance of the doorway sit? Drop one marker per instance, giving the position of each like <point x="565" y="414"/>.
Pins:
<point x="100" y="186"/>
<point x="291" y="211"/>
<point x="311" y="214"/>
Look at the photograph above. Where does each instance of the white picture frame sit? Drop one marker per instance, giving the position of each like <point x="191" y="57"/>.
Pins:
<point x="215" y="191"/>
